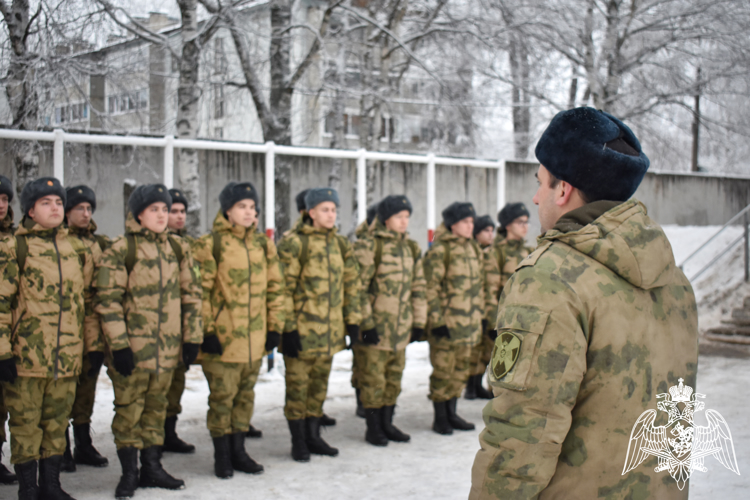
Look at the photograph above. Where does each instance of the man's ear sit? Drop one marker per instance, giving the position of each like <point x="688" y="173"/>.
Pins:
<point x="564" y="192"/>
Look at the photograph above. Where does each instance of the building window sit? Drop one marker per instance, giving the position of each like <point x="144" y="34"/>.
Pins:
<point x="72" y="113"/>
<point x="218" y="101"/>
<point x="352" y="124"/>
<point x="127" y="103"/>
<point x="387" y="129"/>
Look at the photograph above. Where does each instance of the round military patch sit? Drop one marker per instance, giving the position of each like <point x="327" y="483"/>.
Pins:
<point x="505" y="353"/>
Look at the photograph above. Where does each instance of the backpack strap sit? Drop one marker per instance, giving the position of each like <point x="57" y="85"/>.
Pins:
<point x="130" y="255"/>
<point x="22" y="251"/>
<point x="217" y="247"/>
<point x="102" y="240"/>
<point x="378" y="253"/>
<point x="177" y="248"/>
<point x="416" y="253"/>
<point x="342" y="241"/>
<point x="303" y="251"/>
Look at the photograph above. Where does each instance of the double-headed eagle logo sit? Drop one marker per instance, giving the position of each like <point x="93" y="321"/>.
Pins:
<point x="680" y="445"/>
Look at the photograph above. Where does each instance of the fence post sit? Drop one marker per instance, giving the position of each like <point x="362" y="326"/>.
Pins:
<point x="747" y="247"/>
<point x="58" y="167"/>
<point x="361" y="186"/>
<point x="500" y="185"/>
<point x="270" y="190"/>
<point x="169" y="161"/>
<point x="430" y="198"/>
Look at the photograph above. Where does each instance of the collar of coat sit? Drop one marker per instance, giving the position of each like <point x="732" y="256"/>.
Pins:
<point x="222" y="225"/>
<point x="442" y="234"/>
<point x="6" y="225"/>
<point x="29" y="227"/>
<point x="308" y="228"/>
<point x="378" y="229"/>
<point x="88" y="231"/>
<point x="133" y="227"/>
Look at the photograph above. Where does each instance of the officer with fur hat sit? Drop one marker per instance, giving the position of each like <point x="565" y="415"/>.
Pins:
<point x="453" y="268"/>
<point x="6" y="229"/>
<point x="594" y="324"/>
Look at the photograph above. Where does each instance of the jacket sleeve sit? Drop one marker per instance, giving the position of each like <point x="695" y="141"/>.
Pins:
<point x="111" y="279"/>
<point x="492" y="285"/>
<point x="434" y="273"/>
<point x="289" y="251"/>
<point x="8" y="290"/>
<point x="365" y="255"/>
<point x="275" y="300"/>
<point x="92" y="338"/>
<point x="530" y="416"/>
<point x="190" y="298"/>
<point x="419" y="295"/>
<point x="203" y="255"/>
<point x="352" y="287"/>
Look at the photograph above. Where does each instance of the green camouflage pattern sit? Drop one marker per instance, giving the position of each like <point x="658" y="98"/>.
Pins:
<point x="176" y="388"/>
<point x="606" y="321"/>
<point x="501" y="261"/>
<point x="481" y="355"/>
<point x="53" y="322"/>
<point x="38" y="408"/>
<point x="242" y="297"/>
<point x="381" y="374"/>
<point x="306" y="386"/>
<point x="89" y="238"/>
<point x="324" y="296"/>
<point x="455" y="296"/>
<point x="6" y="229"/>
<point x="450" y="368"/>
<point x="83" y="405"/>
<point x="154" y="309"/>
<point x="393" y="296"/>
<point x="232" y="396"/>
<point x="361" y="231"/>
<point x="140" y="407"/>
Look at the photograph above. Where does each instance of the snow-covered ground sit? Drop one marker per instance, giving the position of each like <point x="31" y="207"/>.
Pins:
<point x="430" y="466"/>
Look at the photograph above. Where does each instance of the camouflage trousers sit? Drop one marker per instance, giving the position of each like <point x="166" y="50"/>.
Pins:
<point x="480" y="356"/>
<point x="450" y="369"/>
<point x="306" y="386"/>
<point x="357" y="353"/>
<point x="39" y="409"/>
<point x="3" y="417"/>
<point x="176" y="388"/>
<point x="83" y="405"/>
<point x="381" y="376"/>
<point x="140" y="408"/>
<point x="232" y="396"/>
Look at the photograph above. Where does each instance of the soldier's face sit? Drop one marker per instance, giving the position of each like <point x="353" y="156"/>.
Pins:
<point x="484" y="237"/>
<point x="518" y="228"/>
<point x="324" y="215"/>
<point x="155" y="217"/>
<point x="399" y="222"/>
<point x="547" y="198"/>
<point x="3" y="206"/>
<point x="464" y="228"/>
<point x="80" y="215"/>
<point x="243" y="213"/>
<point x="48" y="211"/>
<point x="176" y="217"/>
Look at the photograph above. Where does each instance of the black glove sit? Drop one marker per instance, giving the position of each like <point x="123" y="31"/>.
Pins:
<point x="272" y="340"/>
<point x="370" y="337"/>
<point x="353" y="332"/>
<point x="211" y="345"/>
<point x="485" y="324"/>
<point x="441" y="332"/>
<point x="189" y="353"/>
<point x="291" y="344"/>
<point x="8" y="372"/>
<point x="96" y="360"/>
<point x="124" y="362"/>
<point x="492" y="334"/>
<point x="416" y="334"/>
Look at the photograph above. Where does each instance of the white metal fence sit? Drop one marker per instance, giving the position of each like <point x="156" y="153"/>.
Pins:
<point x="169" y="143"/>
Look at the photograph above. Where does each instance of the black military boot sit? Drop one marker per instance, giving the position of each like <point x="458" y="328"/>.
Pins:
<point x="153" y="474"/>
<point x="6" y="476"/>
<point x="49" y="479"/>
<point x="27" y="485"/>
<point x="129" y="479"/>
<point x="300" y="453"/>
<point x="85" y="453"/>
<point x="391" y="431"/>
<point x="222" y="458"/>
<point x="68" y="464"/>
<point x="375" y="435"/>
<point x="454" y="420"/>
<point x="241" y="461"/>
<point x="172" y="441"/>
<point x="482" y="393"/>
<point x="471" y="389"/>
<point x="254" y="433"/>
<point x="441" y="424"/>
<point x="360" y="408"/>
<point x="327" y="421"/>
<point x="315" y="443"/>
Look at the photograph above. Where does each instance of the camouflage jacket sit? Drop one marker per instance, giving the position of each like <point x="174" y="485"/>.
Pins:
<point x="393" y="295"/>
<point x="453" y="268"/>
<point x="6" y="225"/>
<point x="242" y="296"/>
<point x="501" y="261"/>
<point x="46" y="316"/>
<point x="595" y="323"/>
<point x="322" y="296"/>
<point x="362" y="230"/>
<point x="97" y="243"/>
<point x="154" y="308"/>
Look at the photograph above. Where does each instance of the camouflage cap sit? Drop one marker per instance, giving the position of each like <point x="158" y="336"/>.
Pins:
<point x="178" y="197"/>
<point x="235" y="192"/>
<point x="39" y="188"/>
<point x="6" y="187"/>
<point x="145" y="195"/>
<point x="80" y="194"/>
<point x="457" y="211"/>
<point x="316" y="196"/>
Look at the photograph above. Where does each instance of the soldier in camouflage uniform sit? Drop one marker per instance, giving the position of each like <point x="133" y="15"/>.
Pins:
<point x="484" y="231"/>
<point x="80" y="205"/>
<point x="150" y="275"/>
<point x="44" y="333"/>
<point x="594" y="324"/>
<point x="6" y="229"/>
<point x="453" y="268"/>
<point x="394" y="313"/>
<point x="243" y="307"/>
<point x="322" y="289"/>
